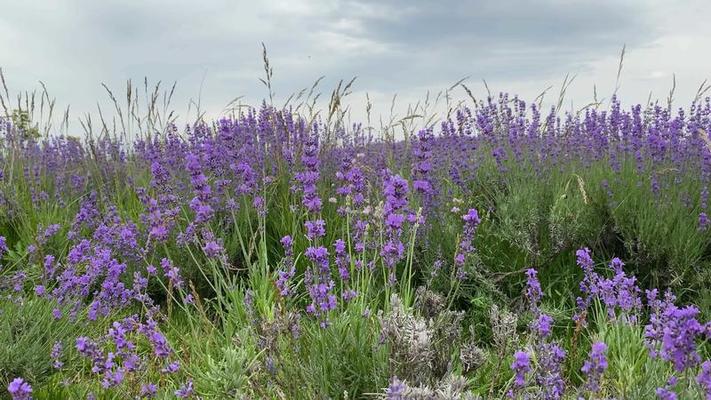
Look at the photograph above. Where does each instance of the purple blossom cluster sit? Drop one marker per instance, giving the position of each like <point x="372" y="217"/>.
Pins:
<point x="620" y="294"/>
<point x="521" y="367"/>
<point x="116" y="356"/>
<point x="19" y="389"/>
<point x="673" y="332"/>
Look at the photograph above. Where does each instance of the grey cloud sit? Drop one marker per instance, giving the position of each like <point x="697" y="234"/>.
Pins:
<point x="392" y="46"/>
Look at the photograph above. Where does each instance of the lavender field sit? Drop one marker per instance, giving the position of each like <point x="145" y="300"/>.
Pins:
<point x="503" y="251"/>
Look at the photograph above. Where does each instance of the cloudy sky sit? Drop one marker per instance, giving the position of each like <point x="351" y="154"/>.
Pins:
<point x="409" y="47"/>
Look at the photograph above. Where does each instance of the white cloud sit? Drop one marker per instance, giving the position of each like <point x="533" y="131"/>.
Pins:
<point x="404" y="47"/>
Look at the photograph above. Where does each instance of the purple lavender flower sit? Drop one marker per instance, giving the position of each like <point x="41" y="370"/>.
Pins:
<point x="542" y="325"/>
<point x="521" y="366"/>
<point x="3" y="246"/>
<point x="342" y="261"/>
<point x="45" y="234"/>
<point x="353" y="181"/>
<point x="549" y="374"/>
<point x="19" y="389"/>
<point x="665" y="394"/>
<point x="212" y="249"/>
<point x="148" y="391"/>
<point x="676" y="340"/>
<point x="422" y="151"/>
<point x="310" y="175"/>
<point x="287" y="242"/>
<point x="595" y="366"/>
<point x="466" y="246"/>
<point x="395" y="190"/>
<point x="619" y="294"/>
<point x="584" y="260"/>
<point x="319" y="284"/>
<point x="315" y="229"/>
<point x="704" y="221"/>
<point x="185" y="391"/>
<point x="704" y="378"/>
<point x="172" y="272"/>
<point x="397" y="390"/>
<point x="171" y="368"/>
<point x="56" y="355"/>
<point x="289" y="268"/>
<point x="534" y="293"/>
<point x="18" y="280"/>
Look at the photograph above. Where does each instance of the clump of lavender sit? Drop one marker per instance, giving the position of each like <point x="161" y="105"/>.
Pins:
<point x="595" y="366"/>
<point x="672" y="332"/>
<point x="115" y="357"/>
<point x="620" y="294"/>
<point x="549" y="374"/>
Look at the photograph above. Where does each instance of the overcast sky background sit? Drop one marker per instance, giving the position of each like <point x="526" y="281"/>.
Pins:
<point x="212" y="48"/>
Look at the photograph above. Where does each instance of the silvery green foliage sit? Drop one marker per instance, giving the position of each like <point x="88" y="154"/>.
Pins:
<point x="503" y="326"/>
<point x="452" y="387"/>
<point x="421" y="348"/>
<point x="228" y="374"/>
<point x="471" y="356"/>
<point x="429" y="303"/>
<point x="410" y="339"/>
<point x="445" y="324"/>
